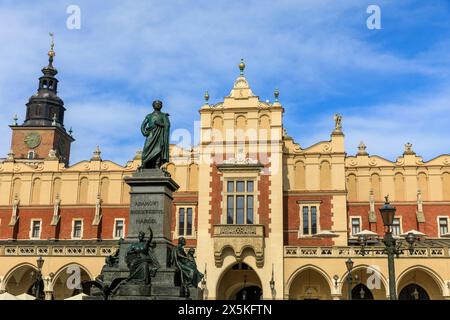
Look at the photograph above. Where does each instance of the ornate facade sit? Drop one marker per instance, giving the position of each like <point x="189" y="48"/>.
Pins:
<point x="251" y="201"/>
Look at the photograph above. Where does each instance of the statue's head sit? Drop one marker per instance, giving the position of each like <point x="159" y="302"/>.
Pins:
<point x="141" y="236"/>
<point x="181" y="241"/>
<point x="157" y="105"/>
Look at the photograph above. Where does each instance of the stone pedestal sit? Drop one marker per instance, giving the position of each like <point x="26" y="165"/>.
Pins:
<point x="150" y="207"/>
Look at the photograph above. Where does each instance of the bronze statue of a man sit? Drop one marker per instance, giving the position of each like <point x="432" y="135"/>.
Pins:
<point x="156" y="129"/>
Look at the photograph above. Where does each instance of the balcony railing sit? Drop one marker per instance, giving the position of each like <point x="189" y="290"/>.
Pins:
<point x="293" y="251"/>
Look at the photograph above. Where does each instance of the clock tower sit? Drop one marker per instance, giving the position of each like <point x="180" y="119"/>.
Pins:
<point x="43" y="129"/>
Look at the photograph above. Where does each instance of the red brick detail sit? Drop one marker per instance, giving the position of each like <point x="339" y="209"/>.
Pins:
<point x="64" y="228"/>
<point x="51" y="138"/>
<point x="180" y="198"/>
<point x="215" y="197"/>
<point x="408" y="217"/>
<point x="264" y="210"/>
<point x="292" y="220"/>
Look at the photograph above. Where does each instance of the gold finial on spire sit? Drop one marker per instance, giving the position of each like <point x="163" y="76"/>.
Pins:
<point x="206" y="96"/>
<point x="52" y="53"/>
<point x="242" y="67"/>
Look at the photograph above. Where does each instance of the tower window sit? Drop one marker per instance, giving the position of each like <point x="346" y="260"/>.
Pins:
<point x="31" y="155"/>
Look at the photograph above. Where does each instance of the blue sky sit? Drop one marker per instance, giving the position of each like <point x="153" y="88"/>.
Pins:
<point x="392" y="85"/>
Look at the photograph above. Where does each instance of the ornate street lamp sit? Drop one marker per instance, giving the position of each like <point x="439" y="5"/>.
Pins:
<point x="40" y="263"/>
<point x="349" y="265"/>
<point x="387" y="214"/>
<point x="272" y="284"/>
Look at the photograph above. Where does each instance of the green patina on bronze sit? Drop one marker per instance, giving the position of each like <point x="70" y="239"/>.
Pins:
<point x="141" y="260"/>
<point x="186" y="265"/>
<point x="156" y="128"/>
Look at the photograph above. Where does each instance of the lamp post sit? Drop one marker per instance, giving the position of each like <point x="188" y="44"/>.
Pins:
<point x="272" y="284"/>
<point x="349" y="265"/>
<point x="40" y="263"/>
<point x="387" y="214"/>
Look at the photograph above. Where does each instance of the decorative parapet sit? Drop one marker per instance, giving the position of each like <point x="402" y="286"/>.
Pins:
<point x="239" y="237"/>
<point x="57" y="250"/>
<point x="336" y="252"/>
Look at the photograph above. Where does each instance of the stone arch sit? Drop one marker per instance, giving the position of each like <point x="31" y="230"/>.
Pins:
<point x="56" y="188"/>
<point x="104" y="190"/>
<point x="232" y="280"/>
<point x="83" y="190"/>
<point x="423" y="276"/>
<point x="309" y="282"/>
<point x="193" y="177"/>
<point x="299" y="170"/>
<point x="399" y="183"/>
<point x="378" y="293"/>
<point x="63" y="287"/>
<point x="20" y="278"/>
<point x="36" y="191"/>
<point x="325" y="175"/>
<point x="422" y="182"/>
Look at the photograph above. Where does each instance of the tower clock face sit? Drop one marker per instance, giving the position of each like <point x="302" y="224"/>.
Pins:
<point x="33" y="139"/>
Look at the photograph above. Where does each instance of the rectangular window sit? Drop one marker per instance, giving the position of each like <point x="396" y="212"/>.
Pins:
<point x="396" y="227"/>
<point x="181" y="222"/>
<point x="36" y="229"/>
<point x="189" y="222"/>
<point x="240" y="202"/>
<point x="119" y="229"/>
<point x="77" y="228"/>
<point x="230" y="209"/>
<point x="305" y="220"/>
<point x="356" y="226"/>
<point x="249" y="209"/>
<point x="185" y="221"/>
<point x="313" y="220"/>
<point x="443" y="226"/>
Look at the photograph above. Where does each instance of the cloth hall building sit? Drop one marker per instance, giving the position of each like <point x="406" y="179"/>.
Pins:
<point x="268" y="218"/>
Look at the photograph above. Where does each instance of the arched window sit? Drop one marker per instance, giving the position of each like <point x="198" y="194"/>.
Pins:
<point x="299" y="175"/>
<point x="83" y="190"/>
<point x="17" y="185"/>
<point x="104" y="190"/>
<point x="375" y="184"/>
<point x="413" y="292"/>
<point x="325" y="175"/>
<point x="446" y="186"/>
<point x="351" y="187"/>
<point x="193" y="177"/>
<point x="125" y="193"/>
<point x="399" y="182"/>
<point x="36" y="191"/>
<point x="56" y="190"/>
<point x="422" y="181"/>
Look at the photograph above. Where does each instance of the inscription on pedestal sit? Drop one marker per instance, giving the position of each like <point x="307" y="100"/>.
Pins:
<point x="146" y="211"/>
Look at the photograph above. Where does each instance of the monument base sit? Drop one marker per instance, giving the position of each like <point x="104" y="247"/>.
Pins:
<point x="150" y="209"/>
